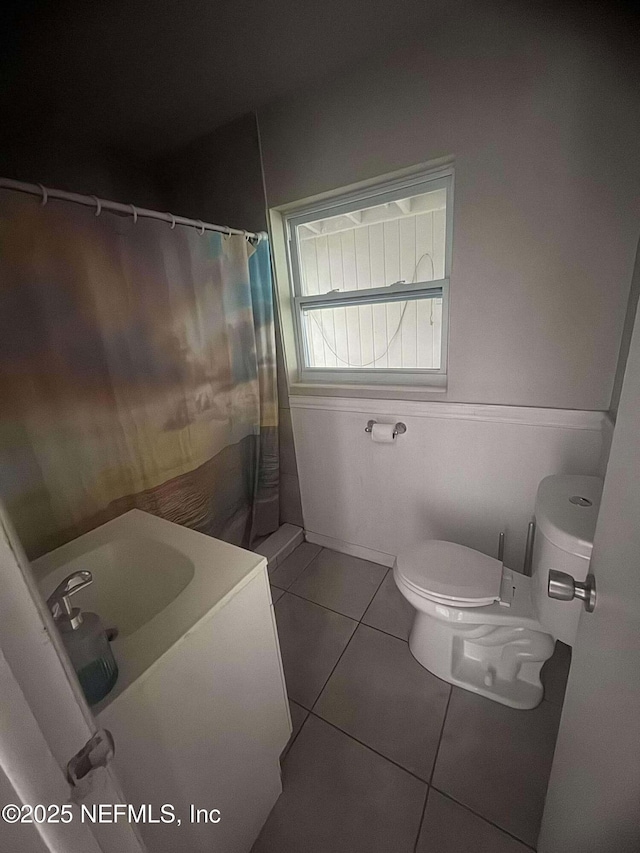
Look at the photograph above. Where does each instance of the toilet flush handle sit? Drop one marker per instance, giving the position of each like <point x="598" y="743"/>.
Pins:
<point x="564" y="588"/>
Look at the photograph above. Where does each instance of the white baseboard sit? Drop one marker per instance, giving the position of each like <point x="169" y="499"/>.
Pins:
<point x="349" y="548"/>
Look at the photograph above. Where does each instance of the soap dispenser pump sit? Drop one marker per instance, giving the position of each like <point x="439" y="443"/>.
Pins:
<point x="84" y="638"/>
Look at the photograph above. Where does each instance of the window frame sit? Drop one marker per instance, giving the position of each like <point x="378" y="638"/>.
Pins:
<point x="340" y="204"/>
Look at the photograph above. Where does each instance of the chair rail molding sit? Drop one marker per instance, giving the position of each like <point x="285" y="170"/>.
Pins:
<point x="525" y="415"/>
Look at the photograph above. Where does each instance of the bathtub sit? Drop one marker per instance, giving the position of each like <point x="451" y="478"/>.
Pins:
<point x="199" y="712"/>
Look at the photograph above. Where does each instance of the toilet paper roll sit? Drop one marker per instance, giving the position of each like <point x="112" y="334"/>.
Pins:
<point x="382" y="433"/>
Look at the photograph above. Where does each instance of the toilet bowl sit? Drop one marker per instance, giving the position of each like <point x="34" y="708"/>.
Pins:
<point x="488" y="629"/>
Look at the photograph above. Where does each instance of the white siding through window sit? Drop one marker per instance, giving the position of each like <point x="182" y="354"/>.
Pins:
<point x="394" y="335"/>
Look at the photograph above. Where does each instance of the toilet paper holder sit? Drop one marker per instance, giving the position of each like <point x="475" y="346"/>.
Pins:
<point x="399" y="428"/>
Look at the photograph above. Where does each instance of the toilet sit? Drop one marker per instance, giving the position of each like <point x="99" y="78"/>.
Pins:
<point x="487" y="628"/>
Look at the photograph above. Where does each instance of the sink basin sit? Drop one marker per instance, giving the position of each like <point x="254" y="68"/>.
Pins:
<point x="134" y="580"/>
<point x="152" y="580"/>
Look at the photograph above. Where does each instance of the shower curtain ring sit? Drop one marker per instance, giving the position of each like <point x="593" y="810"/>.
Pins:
<point x="201" y="228"/>
<point x="135" y="213"/>
<point x="45" y="194"/>
<point x="98" y="205"/>
<point x="228" y="232"/>
<point x="173" y="220"/>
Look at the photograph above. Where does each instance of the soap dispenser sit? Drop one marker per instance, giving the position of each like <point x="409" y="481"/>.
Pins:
<point x="84" y="638"/>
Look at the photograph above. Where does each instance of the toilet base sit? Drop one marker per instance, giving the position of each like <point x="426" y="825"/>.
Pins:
<point x="500" y="662"/>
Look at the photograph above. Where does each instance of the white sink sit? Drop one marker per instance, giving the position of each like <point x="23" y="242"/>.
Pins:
<point x="134" y="580"/>
<point x="152" y="580"/>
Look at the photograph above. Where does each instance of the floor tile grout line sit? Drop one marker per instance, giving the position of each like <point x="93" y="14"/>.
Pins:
<point x="429" y="785"/>
<point x="482" y="817"/>
<point x="344" y="615"/>
<point x="387" y="634"/>
<point x="329" y="608"/>
<point x="372" y="597"/>
<point x="428" y="782"/>
<point x="324" y="607"/>
<point x="422" y="816"/>
<point x="444" y="722"/>
<point x="309" y="710"/>
<point x="370" y="748"/>
<point x="384" y="577"/>
<point x="433" y="769"/>
<point x="346" y="646"/>
<point x="359" y="622"/>
<point x="303" y="570"/>
<point x="313" y="559"/>
<point x="333" y="669"/>
<point x="478" y="814"/>
<point x="287" y="749"/>
<point x="295" y="580"/>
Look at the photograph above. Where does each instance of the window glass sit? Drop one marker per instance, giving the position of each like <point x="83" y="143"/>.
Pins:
<point x="401" y="334"/>
<point x="375" y="246"/>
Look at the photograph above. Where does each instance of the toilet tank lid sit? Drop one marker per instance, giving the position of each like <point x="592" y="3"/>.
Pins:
<point x="567" y="510"/>
<point x="452" y="572"/>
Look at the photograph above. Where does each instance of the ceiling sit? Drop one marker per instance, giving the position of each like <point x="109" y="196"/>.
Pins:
<point x="147" y="75"/>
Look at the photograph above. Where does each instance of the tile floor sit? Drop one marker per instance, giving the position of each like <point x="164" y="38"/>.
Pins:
<point x="384" y="756"/>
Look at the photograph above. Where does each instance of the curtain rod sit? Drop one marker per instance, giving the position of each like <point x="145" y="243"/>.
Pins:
<point x="100" y="204"/>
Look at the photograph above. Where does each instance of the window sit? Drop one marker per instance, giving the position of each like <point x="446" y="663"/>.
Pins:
<point x="370" y="276"/>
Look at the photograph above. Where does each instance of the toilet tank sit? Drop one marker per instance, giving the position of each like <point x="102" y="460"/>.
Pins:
<point x="566" y="511"/>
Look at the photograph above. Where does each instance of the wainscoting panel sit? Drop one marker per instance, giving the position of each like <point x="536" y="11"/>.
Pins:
<point x="460" y="472"/>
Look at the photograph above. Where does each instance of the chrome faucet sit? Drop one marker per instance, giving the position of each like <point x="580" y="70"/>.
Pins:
<point x="59" y="602"/>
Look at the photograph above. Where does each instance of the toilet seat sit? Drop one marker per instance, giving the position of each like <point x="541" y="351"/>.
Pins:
<point x="452" y="574"/>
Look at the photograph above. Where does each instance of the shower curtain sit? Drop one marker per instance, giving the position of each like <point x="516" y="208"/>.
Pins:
<point x="137" y="369"/>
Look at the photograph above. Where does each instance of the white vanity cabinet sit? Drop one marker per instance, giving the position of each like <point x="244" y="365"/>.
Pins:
<point x="199" y="714"/>
<point x="205" y="729"/>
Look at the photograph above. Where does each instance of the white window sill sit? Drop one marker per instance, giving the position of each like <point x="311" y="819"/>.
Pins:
<point x="377" y="392"/>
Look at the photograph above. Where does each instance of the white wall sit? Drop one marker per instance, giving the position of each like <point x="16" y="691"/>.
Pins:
<point x="460" y="472"/>
<point x="542" y="124"/>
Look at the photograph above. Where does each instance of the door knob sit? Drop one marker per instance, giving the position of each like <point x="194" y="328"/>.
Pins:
<point x="563" y="587"/>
